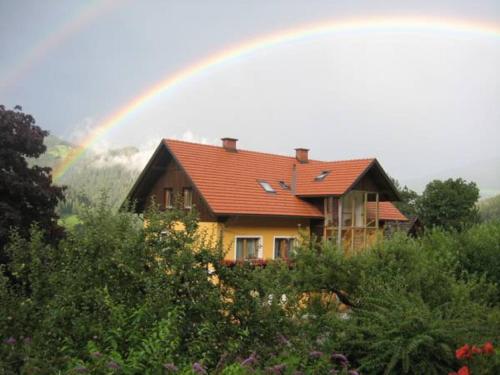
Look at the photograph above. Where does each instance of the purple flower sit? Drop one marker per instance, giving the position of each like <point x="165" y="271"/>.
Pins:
<point x="315" y="354"/>
<point x="80" y="369"/>
<point x="10" y="341"/>
<point x="353" y="372"/>
<point x="113" y="365"/>
<point x="28" y="340"/>
<point x="283" y="340"/>
<point x="340" y="358"/>
<point x="250" y="361"/>
<point x="277" y="369"/>
<point x="96" y="354"/>
<point x="170" y="367"/>
<point x="198" y="368"/>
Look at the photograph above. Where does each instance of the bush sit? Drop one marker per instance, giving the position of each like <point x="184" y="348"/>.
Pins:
<point x="120" y="296"/>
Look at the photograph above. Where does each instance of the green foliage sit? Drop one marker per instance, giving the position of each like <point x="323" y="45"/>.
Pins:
<point x="449" y="204"/>
<point x="408" y="199"/>
<point x="138" y="296"/>
<point x="27" y="195"/>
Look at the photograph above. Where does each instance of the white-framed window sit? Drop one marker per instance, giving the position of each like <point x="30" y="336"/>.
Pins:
<point x="248" y="247"/>
<point x="188" y="197"/>
<point x="168" y="199"/>
<point x="283" y="246"/>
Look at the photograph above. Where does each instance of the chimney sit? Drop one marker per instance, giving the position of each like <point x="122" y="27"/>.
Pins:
<point x="229" y="144"/>
<point x="302" y="155"/>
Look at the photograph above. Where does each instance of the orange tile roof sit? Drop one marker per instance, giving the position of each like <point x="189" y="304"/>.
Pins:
<point x="341" y="175"/>
<point x="387" y="211"/>
<point x="229" y="181"/>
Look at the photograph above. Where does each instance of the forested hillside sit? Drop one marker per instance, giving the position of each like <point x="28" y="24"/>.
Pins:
<point x="111" y="173"/>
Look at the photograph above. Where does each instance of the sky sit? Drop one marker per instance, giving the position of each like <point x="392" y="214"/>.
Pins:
<point x="421" y="101"/>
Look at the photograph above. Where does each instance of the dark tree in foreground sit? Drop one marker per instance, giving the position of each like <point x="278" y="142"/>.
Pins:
<point x="449" y="204"/>
<point x="27" y="195"/>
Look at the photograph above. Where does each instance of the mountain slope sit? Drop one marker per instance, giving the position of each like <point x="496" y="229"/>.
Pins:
<point x="111" y="173"/>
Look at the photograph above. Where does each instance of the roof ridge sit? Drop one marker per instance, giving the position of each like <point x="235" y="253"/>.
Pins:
<point x="266" y="153"/>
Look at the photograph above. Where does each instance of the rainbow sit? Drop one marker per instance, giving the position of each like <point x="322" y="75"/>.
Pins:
<point x="82" y="17"/>
<point x="398" y="24"/>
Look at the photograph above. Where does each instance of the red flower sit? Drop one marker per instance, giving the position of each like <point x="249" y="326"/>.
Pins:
<point x="476" y="350"/>
<point x="488" y="348"/>
<point x="463" y="352"/>
<point x="464" y="371"/>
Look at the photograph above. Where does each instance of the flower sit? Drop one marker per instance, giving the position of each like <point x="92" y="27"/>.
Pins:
<point x="113" y="365"/>
<point x="170" y="367"/>
<point x="340" y="358"/>
<point x="283" y="340"/>
<point x="277" y="369"/>
<point x="475" y="350"/>
<point x="28" y="340"/>
<point x="96" y="354"/>
<point x="463" y="352"/>
<point x="10" y="341"/>
<point x="250" y="361"/>
<point x="198" y="368"/>
<point x="463" y="371"/>
<point x="488" y="348"/>
<point x="315" y="354"/>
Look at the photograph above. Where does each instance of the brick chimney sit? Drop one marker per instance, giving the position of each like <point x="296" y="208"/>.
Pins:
<point x="302" y="155"/>
<point x="229" y="144"/>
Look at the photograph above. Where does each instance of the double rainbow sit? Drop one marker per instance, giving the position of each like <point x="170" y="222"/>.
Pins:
<point x="399" y="24"/>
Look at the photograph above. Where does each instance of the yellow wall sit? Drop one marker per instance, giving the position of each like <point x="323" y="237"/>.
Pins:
<point x="265" y="229"/>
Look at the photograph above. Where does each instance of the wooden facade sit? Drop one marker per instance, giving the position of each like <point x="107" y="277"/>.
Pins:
<point x="176" y="179"/>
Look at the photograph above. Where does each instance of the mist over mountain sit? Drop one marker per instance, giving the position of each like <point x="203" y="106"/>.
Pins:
<point x="110" y="172"/>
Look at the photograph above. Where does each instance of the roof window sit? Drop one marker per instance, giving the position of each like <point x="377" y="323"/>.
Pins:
<point x="284" y="185"/>
<point x="321" y="176"/>
<point x="267" y="187"/>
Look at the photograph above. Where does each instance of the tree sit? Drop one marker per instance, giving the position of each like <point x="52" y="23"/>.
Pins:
<point x="449" y="204"/>
<point x="408" y="203"/>
<point x="27" y="195"/>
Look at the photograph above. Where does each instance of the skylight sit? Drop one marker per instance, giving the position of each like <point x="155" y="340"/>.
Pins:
<point x="321" y="176"/>
<point x="267" y="187"/>
<point x="284" y="185"/>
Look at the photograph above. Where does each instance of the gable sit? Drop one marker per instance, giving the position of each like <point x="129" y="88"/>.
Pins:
<point x="164" y="172"/>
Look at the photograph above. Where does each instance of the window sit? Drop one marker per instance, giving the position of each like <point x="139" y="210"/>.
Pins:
<point x="248" y="248"/>
<point x="283" y="247"/>
<point x="188" y="197"/>
<point x="267" y="187"/>
<point x="321" y="176"/>
<point x="284" y="185"/>
<point x="167" y="198"/>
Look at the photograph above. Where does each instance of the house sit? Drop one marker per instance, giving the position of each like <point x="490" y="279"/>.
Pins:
<point x="260" y="202"/>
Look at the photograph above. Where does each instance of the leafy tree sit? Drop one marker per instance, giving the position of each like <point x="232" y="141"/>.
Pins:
<point x="449" y="204"/>
<point x="409" y="198"/>
<point x="27" y="195"/>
